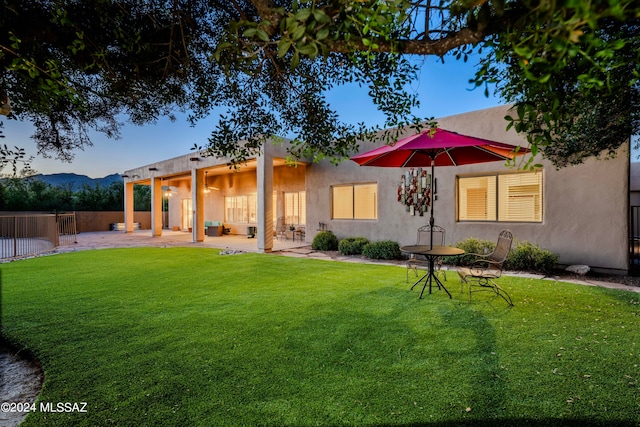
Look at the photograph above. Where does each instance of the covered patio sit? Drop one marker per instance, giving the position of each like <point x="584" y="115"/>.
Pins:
<point x="195" y="190"/>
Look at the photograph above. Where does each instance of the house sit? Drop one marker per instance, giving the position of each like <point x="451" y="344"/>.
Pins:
<point x="579" y="212"/>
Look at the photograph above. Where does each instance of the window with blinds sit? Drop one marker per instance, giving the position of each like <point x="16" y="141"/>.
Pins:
<point x="520" y="197"/>
<point x="241" y="209"/>
<point x="513" y="197"/>
<point x="354" y="201"/>
<point x="295" y="207"/>
<point x="477" y="198"/>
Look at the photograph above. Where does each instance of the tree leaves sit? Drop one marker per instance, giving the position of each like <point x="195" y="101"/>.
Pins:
<point x="574" y="101"/>
<point x="74" y="67"/>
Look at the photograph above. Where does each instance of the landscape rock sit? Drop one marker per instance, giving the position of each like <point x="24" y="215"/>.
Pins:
<point x="581" y="270"/>
<point x="231" y="252"/>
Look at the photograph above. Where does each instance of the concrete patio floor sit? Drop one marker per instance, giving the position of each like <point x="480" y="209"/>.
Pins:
<point x="120" y="239"/>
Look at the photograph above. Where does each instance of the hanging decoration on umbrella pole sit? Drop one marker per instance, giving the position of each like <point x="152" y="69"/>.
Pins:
<point x="414" y="191"/>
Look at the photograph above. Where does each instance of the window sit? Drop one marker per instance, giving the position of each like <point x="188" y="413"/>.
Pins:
<point x="295" y="208"/>
<point x="513" y="197"/>
<point x="241" y="209"/>
<point x="476" y="197"/>
<point x="354" y="201"/>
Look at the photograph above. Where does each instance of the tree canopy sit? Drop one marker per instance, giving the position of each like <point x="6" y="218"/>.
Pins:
<point x="34" y="194"/>
<point x="571" y="67"/>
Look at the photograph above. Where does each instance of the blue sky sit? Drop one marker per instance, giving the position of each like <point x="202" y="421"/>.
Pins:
<point x="443" y="90"/>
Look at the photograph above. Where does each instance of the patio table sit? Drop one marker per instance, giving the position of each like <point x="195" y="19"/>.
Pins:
<point x="431" y="252"/>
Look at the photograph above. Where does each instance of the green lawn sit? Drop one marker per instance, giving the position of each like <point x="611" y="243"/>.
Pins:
<point x="187" y="337"/>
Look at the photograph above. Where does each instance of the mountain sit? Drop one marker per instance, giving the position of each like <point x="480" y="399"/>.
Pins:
<point x="77" y="181"/>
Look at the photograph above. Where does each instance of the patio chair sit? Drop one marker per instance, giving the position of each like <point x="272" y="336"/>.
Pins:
<point x="486" y="268"/>
<point x="417" y="262"/>
<point x="281" y="229"/>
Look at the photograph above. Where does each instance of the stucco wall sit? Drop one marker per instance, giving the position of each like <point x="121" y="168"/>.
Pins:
<point x="87" y="221"/>
<point x="101" y="221"/>
<point x="585" y="207"/>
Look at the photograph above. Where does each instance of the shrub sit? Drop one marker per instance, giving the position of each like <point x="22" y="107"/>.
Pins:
<point x="470" y="246"/>
<point x="352" y="245"/>
<point x="384" y="249"/>
<point x="325" y="241"/>
<point x="524" y="256"/>
<point x="527" y="256"/>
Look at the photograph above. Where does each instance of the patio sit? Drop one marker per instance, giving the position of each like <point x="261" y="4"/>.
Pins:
<point x="139" y="238"/>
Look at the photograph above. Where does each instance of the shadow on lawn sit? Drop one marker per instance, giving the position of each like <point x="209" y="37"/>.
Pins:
<point x="488" y="386"/>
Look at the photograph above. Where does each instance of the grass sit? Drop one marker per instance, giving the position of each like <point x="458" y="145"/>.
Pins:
<point x="183" y="336"/>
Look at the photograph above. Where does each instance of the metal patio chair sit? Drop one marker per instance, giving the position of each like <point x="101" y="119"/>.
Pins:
<point x="486" y="268"/>
<point x="281" y="229"/>
<point x="417" y="262"/>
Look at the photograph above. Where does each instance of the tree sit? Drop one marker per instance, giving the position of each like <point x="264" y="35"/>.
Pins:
<point x="587" y="109"/>
<point x="14" y="157"/>
<point x="141" y="198"/>
<point x="33" y="194"/>
<point x="71" y="66"/>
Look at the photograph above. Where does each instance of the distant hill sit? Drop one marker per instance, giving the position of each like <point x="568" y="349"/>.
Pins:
<point x="77" y="181"/>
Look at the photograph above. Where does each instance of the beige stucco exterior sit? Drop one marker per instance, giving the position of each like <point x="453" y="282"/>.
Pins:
<point x="185" y="176"/>
<point x="585" y="216"/>
<point x="585" y="207"/>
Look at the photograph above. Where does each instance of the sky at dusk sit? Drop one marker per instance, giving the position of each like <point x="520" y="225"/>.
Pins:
<point x="443" y="90"/>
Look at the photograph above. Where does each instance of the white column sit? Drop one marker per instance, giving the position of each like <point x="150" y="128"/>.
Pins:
<point x="265" y="200"/>
<point x="128" y="207"/>
<point x="156" y="207"/>
<point x="197" y="197"/>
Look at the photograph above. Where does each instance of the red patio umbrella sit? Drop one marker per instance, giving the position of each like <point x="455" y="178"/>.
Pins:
<point x="438" y="148"/>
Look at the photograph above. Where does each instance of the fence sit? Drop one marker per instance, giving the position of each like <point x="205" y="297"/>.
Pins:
<point x="24" y="235"/>
<point x="634" y="241"/>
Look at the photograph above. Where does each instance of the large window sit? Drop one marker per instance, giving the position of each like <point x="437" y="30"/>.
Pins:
<point x="513" y="197"/>
<point x="354" y="201"/>
<point x="295" y="211"/>
<point x="241" y="209"/>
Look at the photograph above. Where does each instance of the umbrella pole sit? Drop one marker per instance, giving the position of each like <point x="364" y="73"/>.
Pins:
<point x="433" y="199"/>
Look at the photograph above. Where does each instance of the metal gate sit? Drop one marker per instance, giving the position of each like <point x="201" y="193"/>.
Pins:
<point x="634" y="241"/>
<point x="25" y="235"/>
<point x="66" y="226"/>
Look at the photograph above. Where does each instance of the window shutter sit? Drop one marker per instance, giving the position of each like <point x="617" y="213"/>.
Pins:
<point x="477" y="198"/>
<point x="364" y="201"/>
<point x="343" y="202"/>
<point x="303" y="208"/>
<point x="520" y="197"/>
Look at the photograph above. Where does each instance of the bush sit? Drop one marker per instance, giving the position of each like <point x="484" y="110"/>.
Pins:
<point x="527" y="256"/>
<point x="385" y="249"/>
<point x="325" y="241"/>
<point x="352" y="245"/>
<point x="470" y="246"/>
<point x="524" y="256"/>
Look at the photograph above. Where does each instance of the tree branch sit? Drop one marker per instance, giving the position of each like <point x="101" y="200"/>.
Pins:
<point x="267" y="12"/>
<point x="417" y="47"/>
